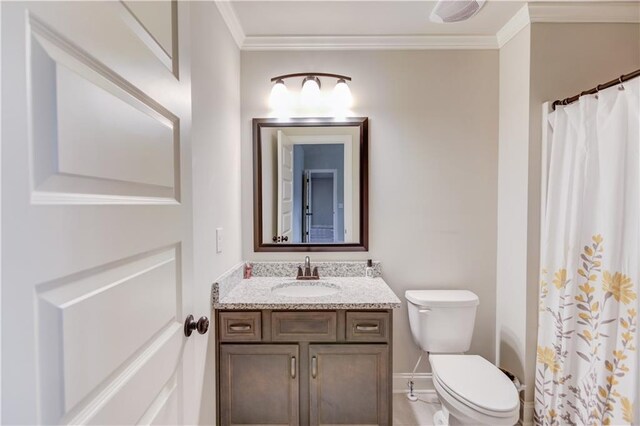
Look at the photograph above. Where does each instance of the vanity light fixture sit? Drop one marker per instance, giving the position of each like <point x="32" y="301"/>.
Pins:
<point x="310" y="95"/>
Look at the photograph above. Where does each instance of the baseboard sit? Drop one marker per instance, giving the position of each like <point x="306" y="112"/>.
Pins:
<point x="422" y="383"/>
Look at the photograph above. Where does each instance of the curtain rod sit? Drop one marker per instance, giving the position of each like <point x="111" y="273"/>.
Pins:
<point x="619" y="80"/>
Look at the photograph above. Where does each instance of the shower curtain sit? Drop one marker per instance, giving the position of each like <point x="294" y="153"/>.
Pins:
<point x="587" y="358"/>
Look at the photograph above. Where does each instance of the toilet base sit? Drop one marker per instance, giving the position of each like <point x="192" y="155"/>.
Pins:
<point x="444" y="418"/>
<point x="440" y="418"/>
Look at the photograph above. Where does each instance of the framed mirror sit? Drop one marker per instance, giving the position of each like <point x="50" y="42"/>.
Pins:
<point x="310" y="184"/>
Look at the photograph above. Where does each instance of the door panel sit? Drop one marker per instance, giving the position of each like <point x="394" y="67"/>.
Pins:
<point x="79" y="314"/>
<point x="285" y="187"/>
<point x="96" y="216"/>
<point x="155" y="23"/>
<point x="349" y="384"/>
<point x="93" y="132"/>
<point x="259" y="384"/>
<point x="138" y="385"/>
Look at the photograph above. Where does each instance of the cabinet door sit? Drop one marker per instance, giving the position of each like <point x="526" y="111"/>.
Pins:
<point x="259" y="384"/>
<point x="349" y="384"/>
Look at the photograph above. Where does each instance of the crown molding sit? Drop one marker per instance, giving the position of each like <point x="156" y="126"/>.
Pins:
<point x="231" y="19"/>
<point x="585" y="12"/>
<point x="568" y="12"/>
<point x="449" y="42"/>
<point x="533" y="12"/>
<point x="519" y="21"/>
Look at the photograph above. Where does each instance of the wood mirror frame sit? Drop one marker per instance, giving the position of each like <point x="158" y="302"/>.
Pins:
<point x="363" y="244"/>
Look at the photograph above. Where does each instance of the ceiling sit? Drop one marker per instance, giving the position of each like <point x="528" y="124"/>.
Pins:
<point x="400" y="24"/>
<point x="362" y="18"/>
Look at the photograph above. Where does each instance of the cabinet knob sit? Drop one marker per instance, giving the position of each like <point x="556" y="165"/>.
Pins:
<point x="190" y="324"/>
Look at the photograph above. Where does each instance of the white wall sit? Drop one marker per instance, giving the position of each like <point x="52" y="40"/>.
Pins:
<point x="216" y="172"/>
<point x="433" y="125"/>
<point x="564" y="59"/>
<point x="513" y="170"/>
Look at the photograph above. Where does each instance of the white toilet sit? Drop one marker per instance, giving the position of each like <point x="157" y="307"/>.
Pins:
<point x="471" y="390"/>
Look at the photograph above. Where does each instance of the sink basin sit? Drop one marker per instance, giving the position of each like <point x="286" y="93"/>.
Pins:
<point x="306" y="289"/>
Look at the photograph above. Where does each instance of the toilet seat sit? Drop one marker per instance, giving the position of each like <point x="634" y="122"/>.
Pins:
<point x="476" y="383"/>
<point x="465" y="414"/>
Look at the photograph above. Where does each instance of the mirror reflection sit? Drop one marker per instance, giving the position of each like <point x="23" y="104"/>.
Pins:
<point x="310" y="185"/>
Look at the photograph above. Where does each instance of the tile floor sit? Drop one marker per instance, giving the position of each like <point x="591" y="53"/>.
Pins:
<point x="419" y="413"/>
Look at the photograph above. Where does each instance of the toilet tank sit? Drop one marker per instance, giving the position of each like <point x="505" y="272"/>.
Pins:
<point x="442" y="320"/>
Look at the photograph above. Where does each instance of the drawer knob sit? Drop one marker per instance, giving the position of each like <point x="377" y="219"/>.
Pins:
<point x="240" y="327"/>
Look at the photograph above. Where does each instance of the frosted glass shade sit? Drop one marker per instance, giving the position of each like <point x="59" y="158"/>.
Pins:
<point x="342" y="98"/>
<point x="279" y="98"/>
<point x="310" y="94"/>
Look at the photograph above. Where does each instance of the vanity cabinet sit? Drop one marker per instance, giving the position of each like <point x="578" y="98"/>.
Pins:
<point x="349" y="384"/>
<point x="330" y="367"/>
<point x="258" y="384"/>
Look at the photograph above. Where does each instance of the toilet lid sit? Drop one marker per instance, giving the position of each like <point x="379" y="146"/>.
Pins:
<point x="442" y="298"/>
<point x="475" y="381"/>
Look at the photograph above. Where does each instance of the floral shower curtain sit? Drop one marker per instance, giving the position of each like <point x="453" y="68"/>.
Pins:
<point x="587" y="369"/>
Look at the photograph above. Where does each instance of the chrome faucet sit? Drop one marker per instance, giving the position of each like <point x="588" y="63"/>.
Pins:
<point x="307" y="274"/>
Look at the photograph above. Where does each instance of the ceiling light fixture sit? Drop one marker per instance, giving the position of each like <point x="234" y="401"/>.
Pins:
<point x="446" y="11"/>
<point x="310" y="95"/>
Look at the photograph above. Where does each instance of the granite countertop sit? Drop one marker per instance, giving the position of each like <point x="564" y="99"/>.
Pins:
<point x="353" y="293"/>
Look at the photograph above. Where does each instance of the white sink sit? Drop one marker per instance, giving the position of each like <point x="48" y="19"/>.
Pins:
<point x="306" y="289"/>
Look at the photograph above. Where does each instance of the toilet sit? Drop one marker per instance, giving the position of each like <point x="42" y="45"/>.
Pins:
<point x="471" y="390"/>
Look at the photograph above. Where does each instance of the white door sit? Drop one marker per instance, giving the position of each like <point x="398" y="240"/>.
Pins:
<point x="96" y="213"/>
<point x="308" y="200"/>
<point x="285" y="188"/>
<point x="317" y="206"/>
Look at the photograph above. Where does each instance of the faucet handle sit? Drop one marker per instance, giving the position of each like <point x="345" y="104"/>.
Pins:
<point x="315" y="272"/>
<point x="299" y="271"/>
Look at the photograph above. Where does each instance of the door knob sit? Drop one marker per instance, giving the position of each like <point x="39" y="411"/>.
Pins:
<point x="190" y="324"/>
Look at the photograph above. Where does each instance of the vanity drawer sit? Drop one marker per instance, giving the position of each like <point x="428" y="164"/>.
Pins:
<point x="240" y="326"/>
<point x="303" y="326"/>
<point x="367" y="326"/>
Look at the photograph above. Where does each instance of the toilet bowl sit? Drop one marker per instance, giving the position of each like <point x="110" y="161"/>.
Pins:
<point x="471" y="389"/>
<point x="474" y="391"/>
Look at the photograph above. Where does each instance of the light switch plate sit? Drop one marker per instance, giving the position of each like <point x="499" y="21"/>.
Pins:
<point x="218" y="240"/>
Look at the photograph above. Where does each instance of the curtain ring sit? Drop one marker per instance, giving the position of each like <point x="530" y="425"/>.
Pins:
<point x="621" y="87"/>
<point x="597" y="91"/>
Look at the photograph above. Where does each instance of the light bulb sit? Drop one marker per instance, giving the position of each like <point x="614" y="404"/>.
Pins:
<point x="279" y="98"/>
<point x="310" y="93"/>
<point x="342" y="99"/>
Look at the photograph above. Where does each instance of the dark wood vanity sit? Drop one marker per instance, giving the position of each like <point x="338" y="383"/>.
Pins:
<point x="299" y="367"/>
